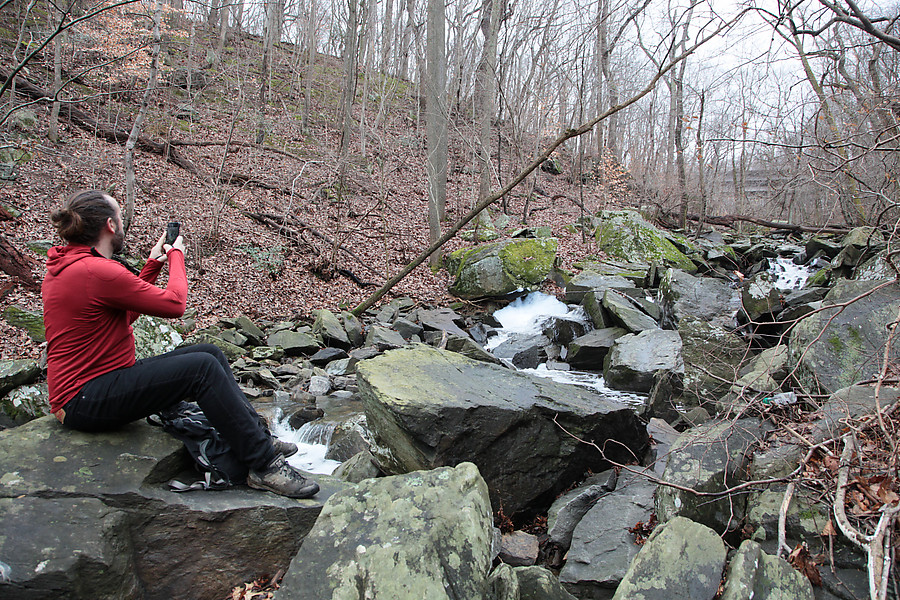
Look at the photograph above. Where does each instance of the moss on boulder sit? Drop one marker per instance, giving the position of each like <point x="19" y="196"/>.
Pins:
<point x="500" y="268"/>
<point x="625" y="235"/>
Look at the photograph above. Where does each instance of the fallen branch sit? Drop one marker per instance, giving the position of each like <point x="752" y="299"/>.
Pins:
<point x="280" y="222"/>
<point x="730" y="220"/>
<point x="17" y="265"/>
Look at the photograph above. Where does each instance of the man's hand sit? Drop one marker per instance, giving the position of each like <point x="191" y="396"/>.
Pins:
<point x="160" y="250"/>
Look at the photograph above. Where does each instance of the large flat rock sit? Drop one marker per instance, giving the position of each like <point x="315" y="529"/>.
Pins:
<point x="530" y="437"/>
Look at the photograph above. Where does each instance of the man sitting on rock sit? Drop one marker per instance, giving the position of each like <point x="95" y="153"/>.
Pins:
<point x="95" y="384"/>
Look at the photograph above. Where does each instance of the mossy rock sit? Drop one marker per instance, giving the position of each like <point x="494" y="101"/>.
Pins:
<point x="31" y="322"/>
<point x="500" y="268"/>
<point x="627" y="236"/>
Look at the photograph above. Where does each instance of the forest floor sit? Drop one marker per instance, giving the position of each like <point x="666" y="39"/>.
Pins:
<point x="237" y="265"/>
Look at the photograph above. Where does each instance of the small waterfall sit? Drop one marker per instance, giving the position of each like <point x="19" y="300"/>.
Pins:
<point x="316" y="432"/>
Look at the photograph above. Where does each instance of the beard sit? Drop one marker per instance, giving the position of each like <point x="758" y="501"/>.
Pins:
<point x="118" y="241"/>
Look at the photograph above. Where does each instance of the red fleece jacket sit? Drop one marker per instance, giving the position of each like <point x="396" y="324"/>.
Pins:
<point x="90" y="303"/>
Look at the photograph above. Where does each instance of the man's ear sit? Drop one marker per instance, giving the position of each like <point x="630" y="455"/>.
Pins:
<point x="111" y="225"/>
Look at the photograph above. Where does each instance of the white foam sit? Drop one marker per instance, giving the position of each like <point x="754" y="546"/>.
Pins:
<point x="311" y="456"/>
<point x="591" y="381"/>
<point x="789" y="276"/>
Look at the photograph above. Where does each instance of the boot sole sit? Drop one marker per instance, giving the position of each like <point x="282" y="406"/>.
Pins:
<point x="305" y="492"/>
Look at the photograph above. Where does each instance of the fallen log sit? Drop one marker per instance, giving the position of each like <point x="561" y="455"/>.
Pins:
<point x="17" y="265"/>
<point x="731" y="220"/>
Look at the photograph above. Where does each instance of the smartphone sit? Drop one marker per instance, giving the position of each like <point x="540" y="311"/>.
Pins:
<point x="172" y="230"/>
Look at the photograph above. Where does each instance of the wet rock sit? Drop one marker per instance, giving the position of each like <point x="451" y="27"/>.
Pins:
<point x="703" y="298"/>
<point x="442" y="319"/>
<point x="760" y="297"/>
<point x="357" y="468"/>
<point x="589" y="281"/>
<point x="525" y="352"/>
<point x="467" y="347"/>
<point x="319" y="385"/>
<point x="382" y="338"/>
<point x="420" y="535"/>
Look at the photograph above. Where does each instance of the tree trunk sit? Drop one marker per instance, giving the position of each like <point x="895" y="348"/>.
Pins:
<point x="387" y="36"/>
<point x="16" y="264"/>
<point x="139" y="121"/>
<point x="436" y="119"/>
<point x="53" y="133"/>
<point x="310" y="64"/>
<point x="485" y="91"/>
<point x="351" y="56"/>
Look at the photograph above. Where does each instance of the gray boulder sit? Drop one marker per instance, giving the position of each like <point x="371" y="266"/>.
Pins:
<point x="712" y="357"/>
<point x="232" y="351"/>
<point x="427" y="408"/>
<point x="760" y="298"/>
<point x="568" y="510"/>
<point x="635" y="359"/>
<point x="603" y="548"/>
<point x="851" y="348"/>
<point x="383" y="338"/>
<point x="420" y="535"/>
<point x="14" y="373"/>
<point x="468" y="347"/>
<point x="442" y="319"/>
<point x="709" y="458"/>
<point x="294" y="343"/>
<point x="754" y="574"/>
<point x="624" y="313"/>
<point x="525" y="352"/>
<point x="500" y="268"/>
<point x="681" y="560"/>
<point x="185" y="546"/>
<point x="590" y="350"/>
<point x="704" y="298"/>
<point x="524" y="583"/>
<point x="329" y="327"/>
<point x="590" y="281"/>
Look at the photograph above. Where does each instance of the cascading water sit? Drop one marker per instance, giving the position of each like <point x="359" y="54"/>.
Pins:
<point x="312" y="439"/>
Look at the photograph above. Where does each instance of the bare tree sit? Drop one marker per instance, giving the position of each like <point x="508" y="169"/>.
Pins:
<point x="436" y="118"/>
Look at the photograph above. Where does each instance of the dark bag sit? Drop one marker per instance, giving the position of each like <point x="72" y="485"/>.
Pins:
<point x="212" y="455"/>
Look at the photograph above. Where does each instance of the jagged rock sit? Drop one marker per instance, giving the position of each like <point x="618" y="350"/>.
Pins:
<point x="383" y="338"/>
<point x="562" y="330"/>
<point x="589" y="281"/>
<point x="765" y="372"/>
<point x="590" y="350"/>
<point x="442" y="319"/>
<point x="420" y="535"/>
<point x="326" y="356"/>
<point x="625" y="315"/>
<point x="407" y="328"/>
<point x="348" y="438"/>
<point x="712" y="356"/>
<point x="626" y="235"/>
<point x="181" y="546"/>
<point x="681" y="560"/>
<point x="294" y="343"/>
<point x="663" y="437"/>
<point x="264" y="353"/>
<point x="234" y="337"/>
<point x="875" y="268"/>
<point x="467" y="347"/>
<point x="818" y="244"/>
<point x="426" y="408"/>
<point x="353" y="328"/>
<point x="250" y="330"/>
<point x="851" y="349"/>
<point x="500" y="268"/>
<point x="26" y="403"/>
<point x="525" y="352"/>
<point x="358" y="467"/>
<point x="519" y="549"/>
<point x="703" y="298"/>
<point x="634" y="359"/>
<point x="708" y="458"/>
<point x="754" y="574"/>
<point x="319" y="385"/>
<point x="568" y="510"/>
<point x="328" y="326"/>
<point x="592" y="303"/>
<point x="663" y="400"/>
<point x="602" y="548"/>
<point x="31" y="322"/>
<point x="14" y="373"/>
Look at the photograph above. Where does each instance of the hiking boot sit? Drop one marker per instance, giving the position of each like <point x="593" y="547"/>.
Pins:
<point x="284" y="448"/>
<point x="283" y="479"/>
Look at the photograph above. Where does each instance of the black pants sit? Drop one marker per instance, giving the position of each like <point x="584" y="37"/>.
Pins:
<point x="200" y="373"/>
